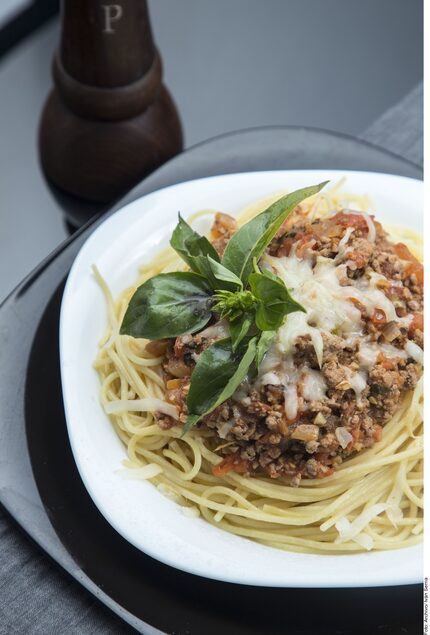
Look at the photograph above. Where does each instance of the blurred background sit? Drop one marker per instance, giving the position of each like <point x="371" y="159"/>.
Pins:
<point x="334" y="64"/>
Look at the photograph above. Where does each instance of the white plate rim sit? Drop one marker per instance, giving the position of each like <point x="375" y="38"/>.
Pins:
<point x="411" y="573"/>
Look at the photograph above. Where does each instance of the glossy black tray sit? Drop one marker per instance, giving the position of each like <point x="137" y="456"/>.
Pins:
<point x="42" y="490"/>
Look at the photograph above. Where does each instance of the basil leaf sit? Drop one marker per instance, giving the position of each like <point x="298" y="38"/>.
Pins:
<point x="202" y="265"/>
<point x="239" y="329"/>
<point x="233" y="304"/>
<point x="191" y="421"/>
<point x="269" y="274"/>
<point x="168" y="305"/>
<point x="251" y="239"/>
<point x="275" y="301"/>
<point x="263" y="345"/>
<point x="224" y="275"/>
<point x="192" y="247"/>
<point x="217" y="374"/>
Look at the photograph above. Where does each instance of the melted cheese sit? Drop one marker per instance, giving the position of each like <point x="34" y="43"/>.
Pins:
<point x="270" y="361"/>
<point x="328" y="304"/>
<point x="372" y="298"/>
<point x="329" y="310"/>
<point x="391" y="351"/>
<point x="318" y="290"/>
<point x="313" y="387"/>
<point x="414" y="351"/>
<point x="367" y="355"/>
<point x="357" y="380"/>
<point x="291" y="401"/>
<point x="270" y="378"/>
<point x="295" y="327"/>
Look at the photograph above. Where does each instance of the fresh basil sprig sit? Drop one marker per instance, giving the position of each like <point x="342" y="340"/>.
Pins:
<point x="274" y="300"/>
<point x="188" y="244"/>
<point x="251" y="239"/>
<point x="225" y="278"/>
<point x="263" y="345"/>
<point x="217" y="374"/>
<point x="195" y="250"/>
<point x="253" y="302"/>
<point x="231" y="305"/>
<point x="168" y="305"/>
<point x="240" y="328"/>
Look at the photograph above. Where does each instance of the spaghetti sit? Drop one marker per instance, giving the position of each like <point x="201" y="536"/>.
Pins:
<point x="372" y="501"/>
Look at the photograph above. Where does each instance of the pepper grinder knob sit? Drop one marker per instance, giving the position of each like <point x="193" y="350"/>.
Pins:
<point x="109" y="121"/>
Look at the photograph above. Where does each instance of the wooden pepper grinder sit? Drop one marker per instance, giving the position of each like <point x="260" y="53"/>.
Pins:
<point x="109" y="121"/>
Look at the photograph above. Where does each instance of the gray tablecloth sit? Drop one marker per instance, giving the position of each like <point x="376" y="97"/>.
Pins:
<point x="38" y="599"/>
<point x="400" y="129"/>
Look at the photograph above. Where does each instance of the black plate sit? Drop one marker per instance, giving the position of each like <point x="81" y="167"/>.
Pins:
<point x="42" y="490"/>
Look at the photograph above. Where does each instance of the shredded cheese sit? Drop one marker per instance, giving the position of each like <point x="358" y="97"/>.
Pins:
<point x="191" y="512"/>
<point x="329" y="308"/>
<point x="349" y="531"/>
<point x="141" y="473"/>
<point x="341" y="249"/>
<point x="149" y="404"/>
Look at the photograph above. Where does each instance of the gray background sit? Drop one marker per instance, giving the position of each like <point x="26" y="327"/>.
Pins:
<point x="229" y="64"/>
<point x="333" y="64"/>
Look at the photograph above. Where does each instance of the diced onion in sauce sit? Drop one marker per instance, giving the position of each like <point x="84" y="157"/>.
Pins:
<point x="225" y="428"/>
<point x="343" y="436"/>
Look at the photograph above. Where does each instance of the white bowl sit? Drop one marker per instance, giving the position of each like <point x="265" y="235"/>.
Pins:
<point x="136" y="509"/>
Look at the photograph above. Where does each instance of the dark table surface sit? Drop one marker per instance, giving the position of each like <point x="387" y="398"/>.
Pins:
<point x="33" y="593"/>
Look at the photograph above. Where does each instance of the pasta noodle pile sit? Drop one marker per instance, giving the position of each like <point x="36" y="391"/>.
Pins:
<point x="372" y="501"/>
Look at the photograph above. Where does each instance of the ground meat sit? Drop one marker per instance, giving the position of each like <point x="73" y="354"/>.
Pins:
<point x="222" y="230"/>
<point x="182" y="354"/>
<point x="387" y="263"/>
<point x="357" y="255"/>
<point x="335" y="374"/>
<point x="251" y="430"/>
<point x="164" y="421"/>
